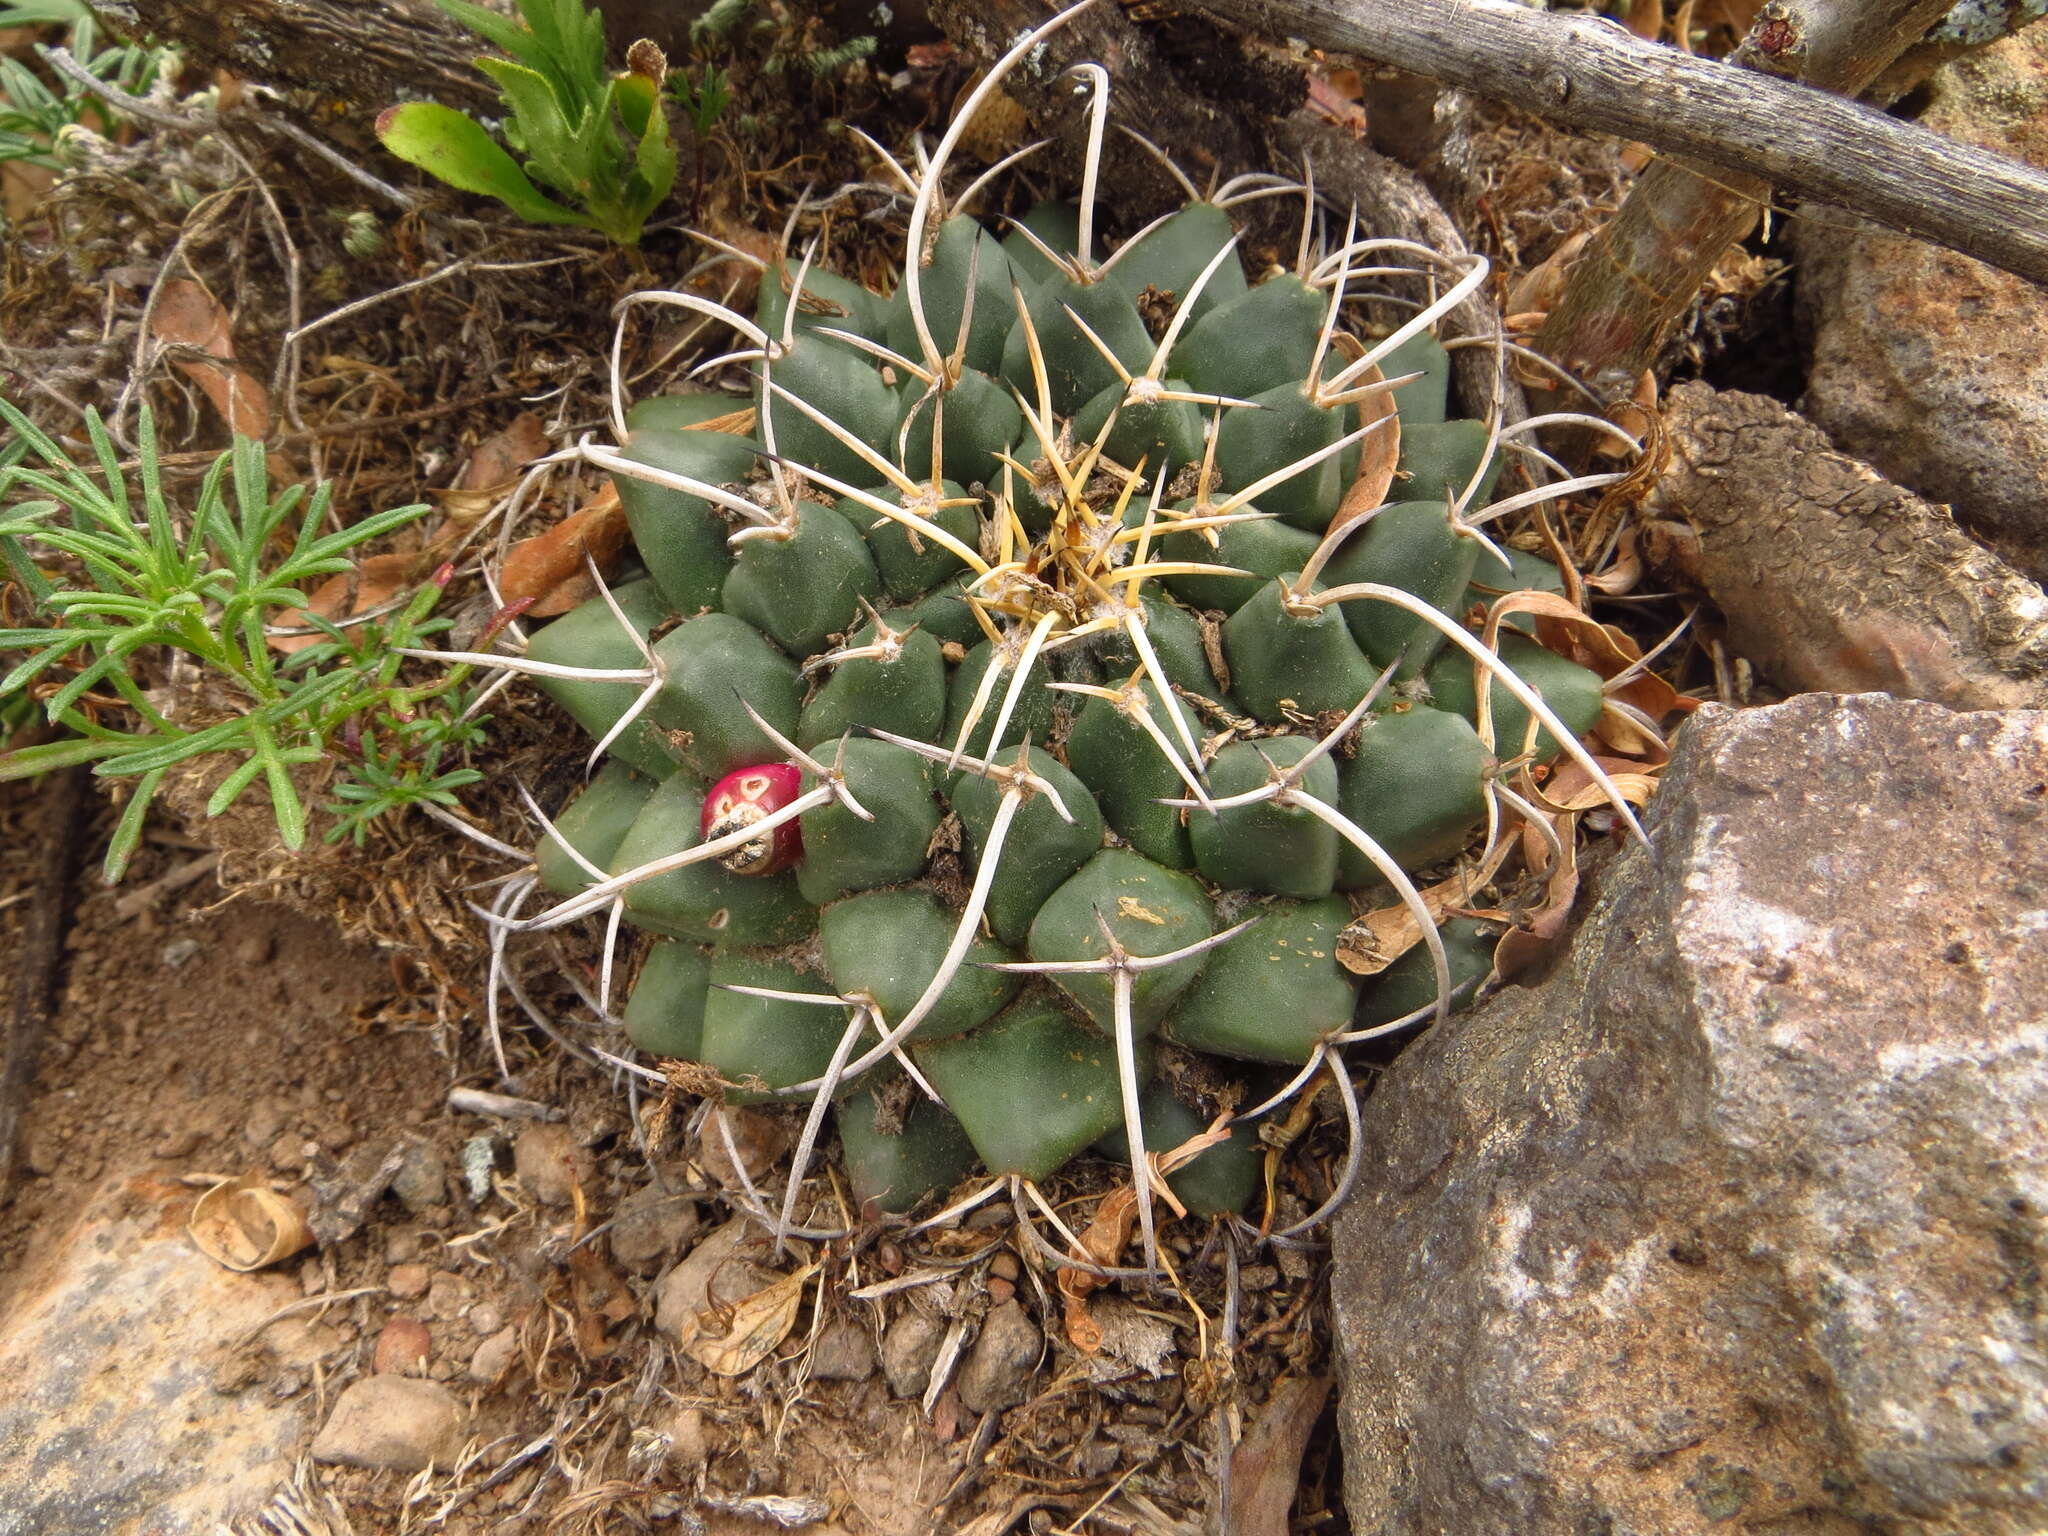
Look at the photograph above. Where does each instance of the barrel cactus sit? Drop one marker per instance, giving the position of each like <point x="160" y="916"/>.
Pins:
<point x="1028" y="675"/>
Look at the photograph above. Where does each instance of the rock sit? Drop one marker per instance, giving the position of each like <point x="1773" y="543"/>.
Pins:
<point x="402" y="1348"/>
<point x="110" y="1352"/>
<point x="449" y="1296"/>
<point x="1929" y="364"/>
<point x="689" y="1441"/>
<point x="495" y="1356"/>
<point x="1742" y="1215"/>
<point x="843" y="1352"/>
<point x="408" y="1282"/>
<point x="550" y="1162"/>
<point x="650" y="1226"/>
<point x="997" y="1374"/>
<point x="910" y="1348"/>
<point x="421" y="1182"/>
<point x="719" y="1269"/>
<point x="758" y="1135"/>
<point x="395" y="1423"/>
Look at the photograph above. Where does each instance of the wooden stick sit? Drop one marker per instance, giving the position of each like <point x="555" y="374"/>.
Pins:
<point x="41" y="956"/>
<point x="1643" y="268"/>
<point x="1589" y="73"/>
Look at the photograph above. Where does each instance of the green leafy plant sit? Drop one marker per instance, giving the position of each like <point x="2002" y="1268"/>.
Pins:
<point x="597" y="139"/>
<point x="32" y="111"/>
<point x="207" y="586"/>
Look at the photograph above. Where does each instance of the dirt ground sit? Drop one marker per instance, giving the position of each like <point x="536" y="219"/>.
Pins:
<point x="203" y="1036"/>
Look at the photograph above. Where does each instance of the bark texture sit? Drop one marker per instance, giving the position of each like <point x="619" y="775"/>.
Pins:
<point x="1587" y="73"/>
<point x="1830" y="577"/>
<point x="368" y="53"/>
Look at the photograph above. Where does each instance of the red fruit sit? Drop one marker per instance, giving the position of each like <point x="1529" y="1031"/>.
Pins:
<point x="748" y="795"/>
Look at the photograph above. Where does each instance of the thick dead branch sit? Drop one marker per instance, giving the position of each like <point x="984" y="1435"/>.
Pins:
<point x="40" y="960"/>
<point x="1832" y="578"/>
<point x="1591" y="74"/>
<point x="1638" y="274"/>
<point x="369" y="53"/>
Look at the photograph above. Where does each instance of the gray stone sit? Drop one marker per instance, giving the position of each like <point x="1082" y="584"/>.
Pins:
<point x="495" y="1356"/>
<point x="998" y="1371"/>
<point x="112" y="1361"/>
<point x="1742" y="1215"/>
<point x="843" y="1352"/>
<point x="1931" y="365"/>
<point x="421" y="1182"/>
<point x="650" y="1227"/>
<point x="550" y="1162"/>
<point x="910" y="1348"/>
<point x="720" y="1270"/>
<point x="393" y="1423"/>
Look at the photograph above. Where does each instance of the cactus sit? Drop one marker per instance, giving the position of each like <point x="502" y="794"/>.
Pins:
<point x="937" y="794"/>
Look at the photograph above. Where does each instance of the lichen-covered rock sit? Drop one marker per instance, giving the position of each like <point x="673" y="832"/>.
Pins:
<point x="1738" y="1221"/>
<point x="1927" y="363"/>
<point x="119" y="1364"/>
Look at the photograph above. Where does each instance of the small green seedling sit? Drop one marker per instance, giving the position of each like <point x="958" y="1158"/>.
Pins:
<point x="597" y="140"/>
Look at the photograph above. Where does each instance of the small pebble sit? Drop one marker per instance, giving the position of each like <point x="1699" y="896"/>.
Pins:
<point x="402" y="1348"/>
<point x="408" y="1281"/>
<point x="998" y="1371"/>
<point x="495" y="1356"/>
<point x="399" y="1423"/>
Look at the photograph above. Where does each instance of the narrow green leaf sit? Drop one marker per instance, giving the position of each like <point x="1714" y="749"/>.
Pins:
<point x="33" y="762"/>
<point x="128" y="832"/>
<point x="372" y="527"/>
<point x="502" y="31"/>
<point x="231" y="787"/>
<point x="448" y="145"/>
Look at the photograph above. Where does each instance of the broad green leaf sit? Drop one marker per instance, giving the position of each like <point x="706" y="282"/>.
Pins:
<point x="542" y="116"/>
<point x="454" y="148"/>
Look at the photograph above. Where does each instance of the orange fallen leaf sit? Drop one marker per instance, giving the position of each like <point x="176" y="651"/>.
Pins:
<point x="1378" y="455"/>
<point x="376" y="580"/>
<point x="1109" y="1233"/>
<point x="1375" y="940"/>
<point x="549" y="567"/>
<point x="187" y="315"/>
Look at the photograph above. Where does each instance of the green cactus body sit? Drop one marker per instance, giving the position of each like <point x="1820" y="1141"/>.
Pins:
<point x="594" y="825"/>
<point x="973" y="651"/>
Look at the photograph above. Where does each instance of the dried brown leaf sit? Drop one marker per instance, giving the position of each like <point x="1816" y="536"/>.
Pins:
<point x="187" y="315"/>
<point x="1372" y="942"/>
<point x="243" y="1224"/>
<point x="550" y="569"/>
<point x="730" y="1341"/>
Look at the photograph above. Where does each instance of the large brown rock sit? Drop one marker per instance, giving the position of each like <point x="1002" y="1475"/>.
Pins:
<point x="1931" y="365"/>
<point x="1737" y="1222"/>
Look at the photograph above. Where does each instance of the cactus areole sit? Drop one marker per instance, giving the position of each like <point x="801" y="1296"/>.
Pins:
<point x="1027" y="715"/>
